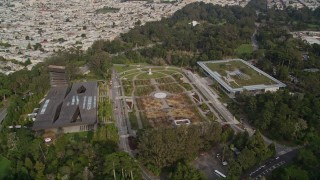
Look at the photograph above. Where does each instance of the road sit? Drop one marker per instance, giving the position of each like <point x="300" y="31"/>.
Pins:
<point x="3" y="113"/>
<point x="119" y="114"/>
<point x="213" y="98"/>
<point x="270" y="165"/>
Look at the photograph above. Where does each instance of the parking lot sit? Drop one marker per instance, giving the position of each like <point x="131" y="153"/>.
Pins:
<point x="270" y="165"/>
<point x="208" y="162"/>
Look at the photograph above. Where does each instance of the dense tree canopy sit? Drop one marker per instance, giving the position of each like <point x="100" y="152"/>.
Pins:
<point x="253" y="151"/>
<point x="184" y="171"/>
<point x="161" y="148"/>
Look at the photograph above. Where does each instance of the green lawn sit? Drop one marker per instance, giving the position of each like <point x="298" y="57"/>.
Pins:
<point x="142" y="82"/>
<point x="144" y="120"/>
<point x="105" y="109"/>
<point x="204" y="107"/>
<point x="4" y="167"/>
<point x="255" y="78"/>
<point x="133" y="121"/>
<point x="171" y="88"/>
<point x="154" y="75"/>
<point x="187" y="86"/>
<point x="128" y="90"/>
<point x="130" y="74"/>
<point x="313" y="26"/>
<point x="177" y="77"/>
<point x="244" y="49"/>
<point x="165" y="80"/>
<point x="170" y="71"/>
<point x="121" y="68"/>
<point x="144" y="90"/>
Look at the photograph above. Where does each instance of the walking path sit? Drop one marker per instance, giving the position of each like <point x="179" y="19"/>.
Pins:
<point x="254" y="39"/>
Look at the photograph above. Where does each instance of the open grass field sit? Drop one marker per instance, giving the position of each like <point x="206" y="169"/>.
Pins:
<point x="248" y="75"/>
<point x="244" y="49"/>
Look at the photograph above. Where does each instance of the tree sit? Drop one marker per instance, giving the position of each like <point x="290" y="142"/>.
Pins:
<point x="227" y="134"/>
<point x="28" y="163"/>
<point x="4" y="93"/>
<point x="138" y="23"/>
<point x="241" y="140"/>
<point x="258" y="146"/>
<point x="294" y="172"/>
<point x="234" y="169"/>
<point x="308" y="159"/>
<point x="183" y="171"/>
<point x="247" y="158"/>
<point x="27" y="62"/>
<point x="272" y="149"/>
<point x="29" y="46"/>
<point x="37" y="46"/>
<point x="121" y="165"/>
<point x="211" y="134"/>
<point x="100" y="63"/>
<point x="39" y="170"/>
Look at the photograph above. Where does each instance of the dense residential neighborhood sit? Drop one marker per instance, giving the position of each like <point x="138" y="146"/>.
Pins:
<point x="36" y="29"/>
